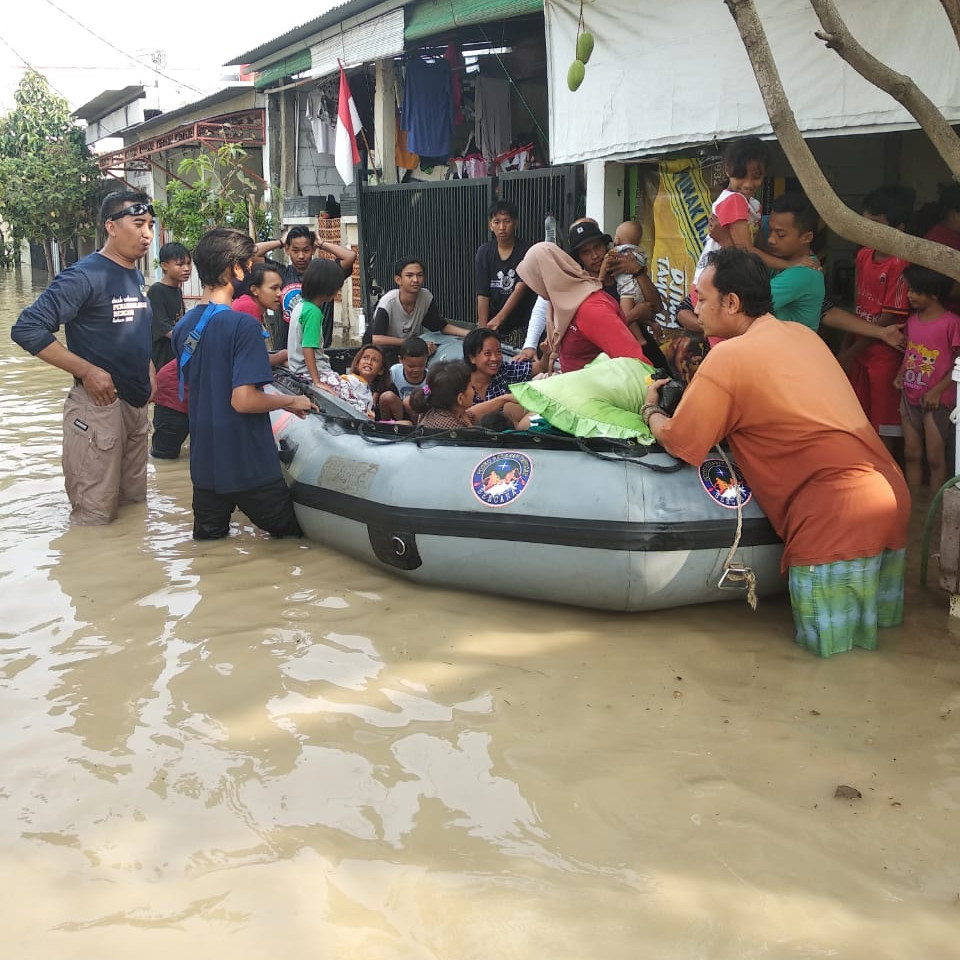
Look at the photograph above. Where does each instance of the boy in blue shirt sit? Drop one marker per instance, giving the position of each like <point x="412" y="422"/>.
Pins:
<point x="233" y="458"/>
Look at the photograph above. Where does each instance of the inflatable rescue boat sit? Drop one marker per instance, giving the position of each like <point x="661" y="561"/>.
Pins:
<point x="603" y="524"/>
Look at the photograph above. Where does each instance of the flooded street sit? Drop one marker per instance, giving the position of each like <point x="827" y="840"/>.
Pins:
<point x="256" y="748"/>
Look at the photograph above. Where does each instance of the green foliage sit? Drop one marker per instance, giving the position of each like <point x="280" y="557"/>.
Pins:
<point x="49" y="180"/>
<point x="220" y="194"/>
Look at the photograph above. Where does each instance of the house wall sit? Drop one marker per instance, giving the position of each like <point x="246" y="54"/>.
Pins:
<point x="245" y="99"/>
<point x="120" y="119"/>
<point x="316" y="172"/>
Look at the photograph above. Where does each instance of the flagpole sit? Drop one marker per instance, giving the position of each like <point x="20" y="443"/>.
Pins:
<point x="363" y="132"/>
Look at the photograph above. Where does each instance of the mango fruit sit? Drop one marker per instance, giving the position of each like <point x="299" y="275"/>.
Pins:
<point x="575" y="75"/>
<point x="584" y="46"/>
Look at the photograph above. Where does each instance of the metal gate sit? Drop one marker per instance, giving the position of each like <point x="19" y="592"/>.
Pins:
<point x="539" y="192"/>
<point x="444" y="222"/>
<point x="441" y="223"/>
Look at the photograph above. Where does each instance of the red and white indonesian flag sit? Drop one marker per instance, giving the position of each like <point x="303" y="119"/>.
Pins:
<point x="345" y="151"/>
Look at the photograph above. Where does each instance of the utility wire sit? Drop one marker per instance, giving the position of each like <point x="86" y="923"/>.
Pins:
<point x="124" y="53"/>
<point x="30" y="66"/>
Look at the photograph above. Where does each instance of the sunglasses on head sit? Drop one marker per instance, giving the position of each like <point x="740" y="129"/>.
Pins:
<point x="134" y="210"/>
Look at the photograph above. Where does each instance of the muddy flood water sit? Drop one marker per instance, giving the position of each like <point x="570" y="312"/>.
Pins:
<point x="263" y="749"/>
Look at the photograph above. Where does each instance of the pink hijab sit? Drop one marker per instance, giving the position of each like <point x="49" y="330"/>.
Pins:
<point x="557" y="277"/>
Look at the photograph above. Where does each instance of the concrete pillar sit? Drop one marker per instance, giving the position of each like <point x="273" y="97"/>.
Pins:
<point x="288" y="143"/>
<point x="384" y="120"/>
<point x="346" y="318"/>
<point x="606" y="193"/>
<point x="273" y="155"/>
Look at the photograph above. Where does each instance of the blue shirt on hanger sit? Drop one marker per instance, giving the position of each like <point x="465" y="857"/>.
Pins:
<point x="428" y="107"/>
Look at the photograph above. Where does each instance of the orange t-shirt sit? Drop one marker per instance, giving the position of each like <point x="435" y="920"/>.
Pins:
<point x="798" y="433"/>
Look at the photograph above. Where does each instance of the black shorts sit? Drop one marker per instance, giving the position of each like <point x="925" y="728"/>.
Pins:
<point x="170" y="429"/>
<point x="270" y="507"/>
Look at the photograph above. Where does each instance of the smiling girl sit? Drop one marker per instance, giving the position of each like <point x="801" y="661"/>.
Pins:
<point x="490" y="376"/>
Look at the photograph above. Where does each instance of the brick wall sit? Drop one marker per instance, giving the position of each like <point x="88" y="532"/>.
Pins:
<point x="330" y="230"/>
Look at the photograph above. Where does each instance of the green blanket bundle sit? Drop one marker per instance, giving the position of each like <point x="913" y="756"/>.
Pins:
<point x="601" y="400"/>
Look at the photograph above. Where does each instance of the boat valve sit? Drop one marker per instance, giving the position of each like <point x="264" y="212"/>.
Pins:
<point x="396" y="548"/>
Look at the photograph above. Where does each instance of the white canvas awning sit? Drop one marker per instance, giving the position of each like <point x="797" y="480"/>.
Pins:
<point x="668" y="73"/>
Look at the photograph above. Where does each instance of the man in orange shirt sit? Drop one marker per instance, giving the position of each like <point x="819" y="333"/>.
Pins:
<point x="816" y="465"/>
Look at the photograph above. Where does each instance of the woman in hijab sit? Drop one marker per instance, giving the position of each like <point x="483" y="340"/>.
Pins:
<point x="585" y="321"/>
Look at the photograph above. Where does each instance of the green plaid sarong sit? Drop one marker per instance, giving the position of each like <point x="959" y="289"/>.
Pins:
<point x="838" y="606"/>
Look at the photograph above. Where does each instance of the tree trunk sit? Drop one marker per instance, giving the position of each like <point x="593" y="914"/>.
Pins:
<point x="901" y="87"/>
<point x="838" y="216"/>
<point x="48" y="256"/>
<point x="952" y="9"/>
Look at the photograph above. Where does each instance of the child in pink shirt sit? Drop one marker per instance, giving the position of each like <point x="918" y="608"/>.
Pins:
<point x="926" y="375"/>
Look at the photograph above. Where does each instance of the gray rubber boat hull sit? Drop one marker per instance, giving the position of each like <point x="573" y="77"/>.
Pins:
<point x="521" y="518"/>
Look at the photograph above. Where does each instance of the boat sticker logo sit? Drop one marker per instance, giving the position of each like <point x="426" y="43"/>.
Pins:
<point x="726" y="490"/>
<point x="500" y="479"/>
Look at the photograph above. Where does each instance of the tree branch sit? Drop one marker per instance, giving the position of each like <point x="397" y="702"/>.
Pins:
<point x="952" y="9"/>
<point x="838" y="216"/>
<point x="901" y="87"/>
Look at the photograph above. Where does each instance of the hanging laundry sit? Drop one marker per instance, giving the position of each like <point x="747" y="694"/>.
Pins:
<point x="453" y="57"/>
<point x="403" y="158"/>
<point x="322" y="124"/>
<point x="427" y="107"/>
<point x="493" y="119"/>
<point x="474" y="165"/>
<point x="520" y="158"/>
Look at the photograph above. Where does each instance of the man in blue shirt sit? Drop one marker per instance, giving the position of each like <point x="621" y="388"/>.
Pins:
<point x="102" y="303"/>
<point x="233" y="457"/>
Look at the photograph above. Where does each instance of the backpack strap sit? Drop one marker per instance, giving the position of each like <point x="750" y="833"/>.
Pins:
<point x="193" y="341"/>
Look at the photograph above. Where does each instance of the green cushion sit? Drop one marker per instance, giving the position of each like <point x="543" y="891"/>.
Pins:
<point x="601" y="400"/>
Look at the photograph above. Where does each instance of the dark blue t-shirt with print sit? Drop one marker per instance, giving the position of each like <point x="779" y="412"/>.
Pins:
<point x="107" y="319"/>
<point x="230" y="452"/>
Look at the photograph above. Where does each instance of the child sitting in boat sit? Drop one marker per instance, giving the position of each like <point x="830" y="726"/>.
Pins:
<point x="305" y="354"/>
<point x="406" y="376"/>
<point x="443" y="402"/>
<point x="367" y="377"/>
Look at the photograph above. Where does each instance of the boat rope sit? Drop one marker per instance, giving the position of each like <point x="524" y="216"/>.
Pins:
<point x="737" y="575"/>
<point x="373" y="432"/>
<point x="655" y="467"/>
<point x="629" y="454"/>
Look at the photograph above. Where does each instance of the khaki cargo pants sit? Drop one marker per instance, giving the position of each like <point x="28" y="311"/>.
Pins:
<point x="104" y="456"/>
